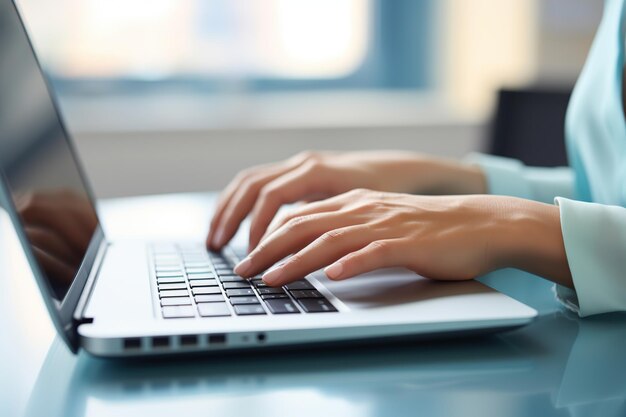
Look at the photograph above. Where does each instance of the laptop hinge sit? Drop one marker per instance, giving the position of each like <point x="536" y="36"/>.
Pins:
<point x="79" y="313"/>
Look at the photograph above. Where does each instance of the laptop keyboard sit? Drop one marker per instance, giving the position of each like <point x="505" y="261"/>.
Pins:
<point x="193" y="282"/>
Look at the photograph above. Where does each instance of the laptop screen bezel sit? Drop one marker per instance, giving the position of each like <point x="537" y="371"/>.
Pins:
<point x="62" y="313"/>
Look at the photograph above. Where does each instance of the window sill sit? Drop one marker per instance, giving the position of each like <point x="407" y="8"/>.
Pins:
<point x="167" y="111"/>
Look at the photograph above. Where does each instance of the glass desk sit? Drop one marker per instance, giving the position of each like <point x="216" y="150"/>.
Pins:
<point x="557" y="366"/>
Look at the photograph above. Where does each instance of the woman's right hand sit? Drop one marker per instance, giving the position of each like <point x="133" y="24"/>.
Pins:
<point x="260" y="191"/>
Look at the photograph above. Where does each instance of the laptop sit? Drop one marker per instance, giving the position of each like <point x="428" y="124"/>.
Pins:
<point x="139" y="298"/>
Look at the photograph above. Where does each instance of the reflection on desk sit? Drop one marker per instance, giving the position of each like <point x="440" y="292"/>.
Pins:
<point x="527" y="372"/>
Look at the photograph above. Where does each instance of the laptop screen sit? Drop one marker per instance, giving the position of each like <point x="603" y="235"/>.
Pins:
<point x="41" y="172"/>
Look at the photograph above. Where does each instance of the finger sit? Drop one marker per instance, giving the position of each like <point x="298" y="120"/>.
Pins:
<point x="302" y="182"/>
<point x="290" y="239"/>
<point x="324" y="250"/>
<point x="250" y="183"/>
<point x="52" y="244"/>
<point x="236" y="211"/>
<point x="329" y="205"/>
<point x="378" y="254"/>
<point x="222" y="203"/>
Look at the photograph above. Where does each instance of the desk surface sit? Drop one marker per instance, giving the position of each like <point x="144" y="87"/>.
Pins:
<point x="557" y="366"/>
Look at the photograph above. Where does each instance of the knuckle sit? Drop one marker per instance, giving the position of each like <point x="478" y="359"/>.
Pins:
<point x="253" y="186"/>
<point x="260" y="248"/>
<point x="268" y="193"/>
<point x="332" y="236"/>
<point x="359" y="193"/>
<point x="243" y="174"/>
<point x="295" y="261"/>
<point x="305" y="156"/>
<point x="313" y="165"/>
<point x="312" y="155"/>
<point x="380" y="248"/>
<point x="296" y="223"/>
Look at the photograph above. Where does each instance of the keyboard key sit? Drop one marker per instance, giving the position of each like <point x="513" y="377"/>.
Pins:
<point x="316" y="305"/>
<point x="282" y="306"/>
<point x="172" y="265"/>
<point x="203" y="283"/>
<point x="224" y="271"/>
<point x="195" y="259"/>
<point x="271" y="290"/>
<point x="213" y="309"/>
<point x="176" y="301"/>
<point x="248" y="309"/>
<point x="206" y="290"/>
<point x="306" y="294"/>
<point x="166" y="259"/>
<point x="204" y="270"/>
<point x="177" y="286"/>
<point x="273" y="296"/>
<point x="233" y="285"/>
<point x="170" y="280"/>
<point x="168" y="274"/>
<point x="230" y="274"/>
<point x="235" y="278"/>
<point x="258" y="283"/>
<point x="244" y="300"/>
<point x="203" y="275"/>
<point x="200" y="264"/>
<point x="169" y="268"/>
<point x="300" y="285"/>
<point x="175" y="312"/>
<point x="209" y="298"/>
<point x="173" y="293"/>
<point x="239" y="292"/>
<point x="221" y="261"/>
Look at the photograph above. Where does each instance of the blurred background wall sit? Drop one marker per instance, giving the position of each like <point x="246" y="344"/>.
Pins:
<point x="178" y="95"/>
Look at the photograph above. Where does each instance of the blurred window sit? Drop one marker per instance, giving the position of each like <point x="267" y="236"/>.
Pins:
<point x="252" y="45"/>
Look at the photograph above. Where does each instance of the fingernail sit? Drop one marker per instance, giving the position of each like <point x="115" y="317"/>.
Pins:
<point x="334" y="271"/>
<point x="271" y="277"/>
<point x="243" y="267"/>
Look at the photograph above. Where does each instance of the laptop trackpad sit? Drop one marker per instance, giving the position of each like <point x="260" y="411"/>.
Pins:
<point x="396" y="288"/>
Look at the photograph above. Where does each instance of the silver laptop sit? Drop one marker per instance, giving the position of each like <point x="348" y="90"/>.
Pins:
<point x="136" y="298"/>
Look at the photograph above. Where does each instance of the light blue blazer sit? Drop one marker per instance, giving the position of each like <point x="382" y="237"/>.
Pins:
<point x="591" y="192"/>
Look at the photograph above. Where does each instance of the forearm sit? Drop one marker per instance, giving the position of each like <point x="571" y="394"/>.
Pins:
<point x="440" y="176"/>
<point x="453" y="177"/>
<point x="531" y="239"/>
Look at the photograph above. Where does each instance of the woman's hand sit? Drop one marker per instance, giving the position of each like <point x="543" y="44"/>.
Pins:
<point x="262" y="190"/>
<point x="446" y="238"/>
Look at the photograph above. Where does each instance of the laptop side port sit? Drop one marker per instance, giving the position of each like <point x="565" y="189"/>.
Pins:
<point x="189" y="340"/>
<point x="132" y="343"/>
<point x="160" y="342"/>
<point x="217" y="339"/>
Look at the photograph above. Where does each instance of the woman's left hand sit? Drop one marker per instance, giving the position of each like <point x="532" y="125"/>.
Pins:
<point x="445" y="238"/>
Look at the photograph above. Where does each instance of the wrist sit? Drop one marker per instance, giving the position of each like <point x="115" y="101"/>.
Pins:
<point x="531" y="239"/>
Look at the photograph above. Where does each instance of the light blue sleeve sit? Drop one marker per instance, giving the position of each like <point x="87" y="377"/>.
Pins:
<point x="594" y="234"/>
<point x="595" y="244"/>
<point x="506" y="176"/>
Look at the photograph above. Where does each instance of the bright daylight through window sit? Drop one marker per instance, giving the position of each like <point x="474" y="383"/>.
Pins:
<point x="259" y="45"/>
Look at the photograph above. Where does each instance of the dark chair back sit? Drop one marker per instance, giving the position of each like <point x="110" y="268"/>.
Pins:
<point x="529" y="125"/>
